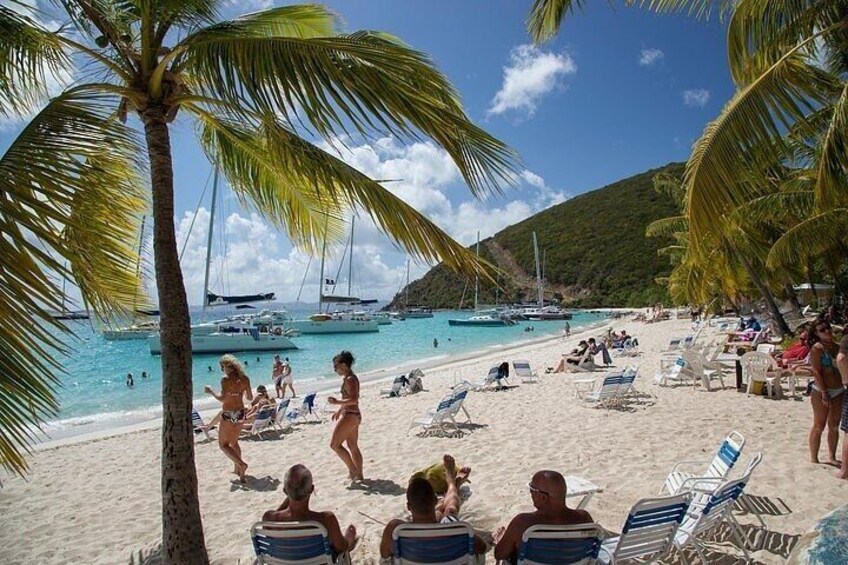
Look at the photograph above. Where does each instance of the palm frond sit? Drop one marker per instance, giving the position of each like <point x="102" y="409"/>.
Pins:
<point x="546" y="16"/>
<point x="665" y="227"/>
<point x="833" y="157"/>
<point x="816" y="236"/>
<point x="302" y="171"/>
<point x="753" y="121"/>
<point x="365" y="81"/>
<point x="786" y="207"/>
<point x="28" y="55"/>
<point x="71" y="194"/>
<point x="302" y="21"/>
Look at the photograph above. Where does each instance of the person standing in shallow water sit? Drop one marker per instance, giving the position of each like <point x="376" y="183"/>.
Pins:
<point x="235" y="387"/>
<point x="347" y="417"/>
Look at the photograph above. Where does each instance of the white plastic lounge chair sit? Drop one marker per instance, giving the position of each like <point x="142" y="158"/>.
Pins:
<point x="699" y="371"/>
<point x="305" y="408"/>
<point x="677" y="373"/>
<point x="458" y="396"/>
<point x="761" y="367"/>
<point x="523" y="370"/>
<point x="707" y="514"/>
<point x="606" y="394"/>
<point x="492" y="381"/>
<point x="648" y="533"/>
<point x="200" y="426"/>
<point x="448" y="544"/>
<point x="765" y="348"/>
<point x="556" y="545"/>
<point x="293" y="543"/>
<point x="628" y="380"/>
<point x="679" y="479"/>
<point x="436" y="419"/>
<point x="264" y="420"/>
<point x="280" y="419"/>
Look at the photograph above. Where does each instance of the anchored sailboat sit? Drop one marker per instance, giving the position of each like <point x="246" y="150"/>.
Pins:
<point x="481" y="320"/>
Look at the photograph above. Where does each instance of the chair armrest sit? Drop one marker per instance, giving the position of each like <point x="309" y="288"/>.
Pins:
<point x="704" y="485"/>
<point x="702" y="462"/>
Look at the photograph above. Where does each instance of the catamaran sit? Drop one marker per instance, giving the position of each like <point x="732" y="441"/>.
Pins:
<point x="488" y="320"/>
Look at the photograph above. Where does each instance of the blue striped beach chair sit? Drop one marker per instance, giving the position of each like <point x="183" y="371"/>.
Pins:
<point x="679" y="479"/>
<point x="200" y="426"/>
<point x="446" y="544"/>
<point x="560" y="545"/>
<point x="648" y="533"/>
<point x="436" y="419"/>
<point x="306" y="408"/>
<point x="293" y="543"/>
<point x="525" y="372"/>
<point x="606" y="394"/>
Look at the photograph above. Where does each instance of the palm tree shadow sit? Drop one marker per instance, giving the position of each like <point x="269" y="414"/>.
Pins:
<point x="152" y="556"/>
<point x="263" y="484"/>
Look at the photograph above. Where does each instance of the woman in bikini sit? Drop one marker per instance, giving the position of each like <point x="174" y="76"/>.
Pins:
<point x="235" y="387"/>
<point x="347" y="417"/>
<point x="827" y="393"/>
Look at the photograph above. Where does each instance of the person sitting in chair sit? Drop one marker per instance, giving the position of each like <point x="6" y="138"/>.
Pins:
<point x="547" y="490"/>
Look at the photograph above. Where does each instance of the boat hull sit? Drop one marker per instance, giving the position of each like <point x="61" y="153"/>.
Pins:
<point x="418" y="315"/>
<point x="121" y="335"/>
<point x="479" y="323"/>
<point x="335" y="326"/>
<point x="228" y="343"/>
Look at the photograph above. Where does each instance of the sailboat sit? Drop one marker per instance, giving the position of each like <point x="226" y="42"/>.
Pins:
<point x="481" y="320"/>
<point x="414" y="312"/>
<point x="542" y="313"/>
<point x="235" y="334"/>
<point x="336" y="322"/>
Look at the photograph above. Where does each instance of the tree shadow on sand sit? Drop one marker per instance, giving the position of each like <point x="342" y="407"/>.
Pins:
<point x="259" y="484"/>
<point x="152" y="556"/>
<point x="378" y="486"/>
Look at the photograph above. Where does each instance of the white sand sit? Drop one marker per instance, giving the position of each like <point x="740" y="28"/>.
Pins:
<point x="98" y="501"/>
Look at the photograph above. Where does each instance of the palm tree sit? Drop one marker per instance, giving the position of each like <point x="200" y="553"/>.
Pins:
<point x="261" y="89"/>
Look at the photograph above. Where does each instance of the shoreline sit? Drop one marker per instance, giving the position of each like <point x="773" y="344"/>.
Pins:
<point x="369" y="379"/>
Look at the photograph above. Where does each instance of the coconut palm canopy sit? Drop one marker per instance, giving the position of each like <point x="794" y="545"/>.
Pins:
<point x="776" y="155"/>
<point x="262" y="89"/>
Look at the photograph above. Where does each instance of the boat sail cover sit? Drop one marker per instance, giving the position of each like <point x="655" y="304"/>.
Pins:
<point x="345" y="299"/>
<point x="213" y="299"/>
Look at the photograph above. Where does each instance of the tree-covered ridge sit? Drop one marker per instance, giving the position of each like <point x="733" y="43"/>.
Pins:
<point x="595" y="248"/>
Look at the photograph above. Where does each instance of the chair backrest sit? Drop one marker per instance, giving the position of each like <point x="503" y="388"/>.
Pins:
<point x="444" y="407"/>
<point x="673" y="345"/>
<point x="522" y="368"/>
<point x="718" y="506"/>
<point x="726" y="456"/>
<point x="197" y="419"/>
<point x="291" y="543"/>
<point x="757" y="364"/>
<point x="449" y="544"/>
<point x="695" y="362"/>
<point x="648" y="533"/>
<point x="559" y="545"/>
<point x="282" y="407"/>
<point x="765" y="348"/>
<point x="309" y="402"/>
<point x="457" y="398"/>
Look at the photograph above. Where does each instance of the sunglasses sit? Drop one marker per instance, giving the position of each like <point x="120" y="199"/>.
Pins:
<point x="824" y="329"/>
<point x="534" y="489"/>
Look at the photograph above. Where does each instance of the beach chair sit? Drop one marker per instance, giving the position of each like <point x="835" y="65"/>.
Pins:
<point x="398" y="388"/>
<point x="436" y="419"/>
<point x="523" y="371"/>
<point x="648" y="533"/>
<point x="761" y="367"/>
<point x="677" y="373"/>
<point x="606" y="394"/>
<point x="585" y="365"/>
<point x="699" y="371"/>
<point x="492" y="380"/>
<point x="742" y="503"/>
<point x="557" y="545"/>
<point x="708" y="513"/>
<point x="293" y="543"/>
<point x="264" y="420"/>
<point x="200" y="426"/>
<point x="280" y="419"/>
<point x="628" y="380"/>
<point x="679" y="479"/>
<point x="448" y="544"/>
<point x="305" y="408"/>
<point x="458" y="396"/>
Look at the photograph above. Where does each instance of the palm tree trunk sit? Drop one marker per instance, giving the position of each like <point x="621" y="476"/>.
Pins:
<point x="782" y="326"/>
<point x="182" y="528"/>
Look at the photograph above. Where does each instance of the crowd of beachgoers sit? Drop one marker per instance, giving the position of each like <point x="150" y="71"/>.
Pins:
<point x="574" y="430"/>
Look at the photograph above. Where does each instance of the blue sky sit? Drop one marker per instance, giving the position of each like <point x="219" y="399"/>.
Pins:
<point x="617" y="92"/>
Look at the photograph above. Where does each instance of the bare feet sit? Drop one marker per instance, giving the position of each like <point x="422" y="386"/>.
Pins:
<point x="834" y="463"/>
<point x="450" y="467"/>
<point x="843" y="474"/>
<point x="462" y="476"/>
<point x="350" y="536"/>
<point x="241" y="471"/>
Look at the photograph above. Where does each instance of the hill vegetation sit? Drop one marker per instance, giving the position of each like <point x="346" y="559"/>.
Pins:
<point x="595" y="249"/>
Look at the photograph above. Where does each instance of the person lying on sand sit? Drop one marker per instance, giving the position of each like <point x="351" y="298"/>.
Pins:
<point x="426" y="508"/>
<point x="547" y="490"/>
<point x="298" y="487"/>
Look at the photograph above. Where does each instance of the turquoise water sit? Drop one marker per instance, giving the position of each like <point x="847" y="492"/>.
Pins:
<point x="94" y="394"/>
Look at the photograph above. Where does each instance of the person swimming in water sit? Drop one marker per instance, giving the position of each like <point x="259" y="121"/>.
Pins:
<point x="347" y="417"/>
<point x="130" y="382"/>
<point x="235" y="387"/>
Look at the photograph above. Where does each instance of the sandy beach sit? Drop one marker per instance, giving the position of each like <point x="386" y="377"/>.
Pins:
<point x="98" y="501"/>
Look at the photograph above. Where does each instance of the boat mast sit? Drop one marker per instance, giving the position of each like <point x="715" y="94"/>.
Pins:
<point x="476" y="276"/>
<point x="209" y="241"/>
<point x="541" y="298"/>
<point x="406" y="307"/>
<point x="350" y="258"/>
<point x="138" y="265"/>
<point x="321" y="282"/>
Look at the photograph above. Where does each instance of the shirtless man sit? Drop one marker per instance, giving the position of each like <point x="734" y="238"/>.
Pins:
<point x="298" y="487"/>
<point x="277" y="375"/>
<point x="547" y="489"/>
<point x="426" y="508"/>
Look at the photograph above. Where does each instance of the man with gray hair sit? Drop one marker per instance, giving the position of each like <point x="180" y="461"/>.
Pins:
<point x="298" y="487"/>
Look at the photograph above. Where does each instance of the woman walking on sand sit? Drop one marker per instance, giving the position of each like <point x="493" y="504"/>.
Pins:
<point x="827" y="393"/>
<point x="347" y="417"/>
<point x="235" y="387"/>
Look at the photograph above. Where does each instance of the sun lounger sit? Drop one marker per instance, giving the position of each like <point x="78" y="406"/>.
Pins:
<point x="492" y="381"/>
<point x="200" y="426"/>
<point x="293" y="543"/>
<point x="648" y="534"/>
<point x="280" y="419"/>
<point x="306" y="408"/>
<point x="449" y="544"/>
<point x="577" y="544"/>
<point x="398" y="388"/>
<point x="524" y="372"/>
<point x="437" y="419"/>
<point x="458" y="396"/>
<point x="606" y="393"/>
<point x="264" y="420"/>
<point x="679" y="479"/>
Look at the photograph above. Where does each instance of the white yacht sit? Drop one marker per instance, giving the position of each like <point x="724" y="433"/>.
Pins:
<point x="336" y="323"/>
<point x="141" y="330"/>
<point x="205" y="338"/>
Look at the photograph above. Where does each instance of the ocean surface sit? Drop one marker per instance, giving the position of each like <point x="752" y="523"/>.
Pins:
<point x="94" y="395"/>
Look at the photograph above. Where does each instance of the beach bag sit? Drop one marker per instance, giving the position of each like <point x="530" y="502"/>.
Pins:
<point x="758" y="388"/>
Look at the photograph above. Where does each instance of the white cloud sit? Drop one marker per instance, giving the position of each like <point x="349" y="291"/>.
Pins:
<point x="696" y="98"/>
<point x="648" y="57"/>
<point x="530" y="75"/>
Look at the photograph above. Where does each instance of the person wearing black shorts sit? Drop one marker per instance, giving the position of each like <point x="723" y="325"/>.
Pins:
<point x="842" y="364"/>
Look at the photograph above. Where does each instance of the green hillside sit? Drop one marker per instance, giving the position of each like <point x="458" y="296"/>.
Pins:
<point x="596" y="252"/>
